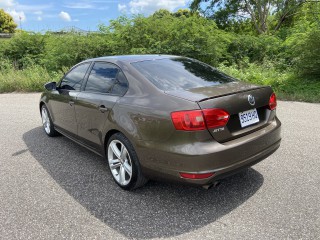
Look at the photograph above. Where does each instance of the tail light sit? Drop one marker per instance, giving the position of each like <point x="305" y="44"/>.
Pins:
<point x="272" y="102"/>
<point x="215" y="117"/>
<point x="199" y="119"/>
<point x="188" y="120"/>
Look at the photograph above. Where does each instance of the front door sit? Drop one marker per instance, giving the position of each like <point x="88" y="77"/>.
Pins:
<point x="63" y="99"/>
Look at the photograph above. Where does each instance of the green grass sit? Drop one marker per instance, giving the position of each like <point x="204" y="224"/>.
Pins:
<point x="30" y="79"/>
<point x="286" y="85"/>
<point x="303" y="90"/>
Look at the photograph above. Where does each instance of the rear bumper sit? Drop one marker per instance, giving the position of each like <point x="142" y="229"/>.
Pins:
<point x="165" y="162"/>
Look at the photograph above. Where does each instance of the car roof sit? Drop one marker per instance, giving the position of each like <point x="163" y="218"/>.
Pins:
<point x="131" y="58"/>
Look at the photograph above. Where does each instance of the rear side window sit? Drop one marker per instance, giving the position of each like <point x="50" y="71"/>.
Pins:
<point x="73" y="79"/>
<point x="106" y="78"/>
<point x="181" y="74"/>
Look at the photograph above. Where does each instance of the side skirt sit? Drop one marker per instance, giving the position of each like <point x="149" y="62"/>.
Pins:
<point x="64" y="133"/>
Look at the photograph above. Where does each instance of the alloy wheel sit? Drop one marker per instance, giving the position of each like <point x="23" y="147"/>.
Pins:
<point x="45" y="120"/>
<point x="120" y="162"/>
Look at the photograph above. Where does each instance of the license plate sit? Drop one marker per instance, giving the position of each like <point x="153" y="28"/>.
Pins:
<point x="248" y="117"/>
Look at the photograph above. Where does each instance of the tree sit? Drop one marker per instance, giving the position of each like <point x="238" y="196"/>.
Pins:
<point x="163" y="32"/>
<point x="7" y="25"/>
<point x="184" y="12"/>
<point x="265" y="15"/>
<point x="302" y="45"/>
<point x="308" y="60"/>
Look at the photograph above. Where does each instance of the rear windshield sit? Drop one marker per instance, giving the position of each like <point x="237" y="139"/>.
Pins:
<point x="181" y="74"/>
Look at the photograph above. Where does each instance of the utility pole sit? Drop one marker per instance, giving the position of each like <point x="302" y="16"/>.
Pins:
<point x="20" y="22"/>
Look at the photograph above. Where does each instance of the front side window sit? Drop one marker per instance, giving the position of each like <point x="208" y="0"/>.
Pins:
<point x="73" y="79"/>
<point x="106" y="78"/>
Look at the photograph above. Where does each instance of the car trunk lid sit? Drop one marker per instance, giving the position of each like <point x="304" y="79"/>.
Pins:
<point x="204" y="93"/>
<point x="233" y="98"/>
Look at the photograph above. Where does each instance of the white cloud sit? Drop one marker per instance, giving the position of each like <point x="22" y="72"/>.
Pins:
<point x="104" y="1"/>
<point x="6" y="3"/>
<point x="65" y="16"/>
<point x="17" y="16"/>
<point x="27" y="8"/>
<point x="150" y="6"/>
<point x="38" y="12"/>
<point x="20" y="11"/>
<point x="9" y="7"/>
<point x="122" y="8"/>
<point x="33" y="8"/>
<point x="87" y="4"/>
<point x="79" y="5"/>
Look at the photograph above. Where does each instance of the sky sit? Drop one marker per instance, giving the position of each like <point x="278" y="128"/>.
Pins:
<point x="41" y="16"/>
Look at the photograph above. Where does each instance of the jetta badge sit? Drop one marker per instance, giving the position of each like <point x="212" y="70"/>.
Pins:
<point x="251" y="100"/>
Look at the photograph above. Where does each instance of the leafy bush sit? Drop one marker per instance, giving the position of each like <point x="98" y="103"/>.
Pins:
<point x="308" y="55"/>
<point x="286" y="85"/>
<point x="253" y="49"/>
<point x="163" y="33"/>
<point x="5" y="65"/>
<point x="67" y="50"/>
<point x="265" y="74"/>
<point x="24" y="49"/>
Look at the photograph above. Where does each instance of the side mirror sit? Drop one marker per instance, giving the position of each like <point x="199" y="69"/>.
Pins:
<point x="51" y="86"/>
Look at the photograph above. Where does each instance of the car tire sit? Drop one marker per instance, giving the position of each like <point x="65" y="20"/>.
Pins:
<point x="124" y="163"/>
<point x="47" y="123"/>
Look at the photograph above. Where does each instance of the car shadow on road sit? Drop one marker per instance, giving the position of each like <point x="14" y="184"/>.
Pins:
<point x="156" y="210"/>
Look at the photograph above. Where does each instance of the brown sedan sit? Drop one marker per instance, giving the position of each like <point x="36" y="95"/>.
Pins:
<point x="162" y="117"/>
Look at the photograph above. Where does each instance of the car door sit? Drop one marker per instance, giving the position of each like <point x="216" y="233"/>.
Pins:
<point x="105" y="84"/>
<point x="62" y="101"/>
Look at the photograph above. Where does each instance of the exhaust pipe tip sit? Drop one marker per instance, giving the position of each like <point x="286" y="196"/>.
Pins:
<point x="214" y="184"/>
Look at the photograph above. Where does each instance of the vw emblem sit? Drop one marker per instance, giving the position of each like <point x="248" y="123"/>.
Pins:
<point x="251" y="100"/>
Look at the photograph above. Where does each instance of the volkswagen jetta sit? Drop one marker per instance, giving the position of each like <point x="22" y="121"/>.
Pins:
<point x="162" y="117"/>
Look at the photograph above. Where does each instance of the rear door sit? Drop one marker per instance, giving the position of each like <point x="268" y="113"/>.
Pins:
<point x="105" y="84"/>
<point x="62" y="101"/>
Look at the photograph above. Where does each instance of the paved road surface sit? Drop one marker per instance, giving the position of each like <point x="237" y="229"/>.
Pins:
<point x="51" y="188"/>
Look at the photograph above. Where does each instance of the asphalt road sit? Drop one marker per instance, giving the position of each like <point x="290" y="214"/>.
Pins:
<point x="51" y="188"/>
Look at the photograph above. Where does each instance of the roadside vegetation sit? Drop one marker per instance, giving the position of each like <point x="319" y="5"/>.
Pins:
<point x="287" y="58"/>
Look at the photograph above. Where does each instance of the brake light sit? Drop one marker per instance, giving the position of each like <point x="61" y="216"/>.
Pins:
<point x="272" y="102"/>
<point x="188" y="120"/>
<point x="199" y="119"/>
<point x="196" y="175"/>
<point x="215" y="117"/>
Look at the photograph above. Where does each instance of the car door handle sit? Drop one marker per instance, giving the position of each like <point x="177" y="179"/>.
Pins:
<point x="103" y="109"/>
<point x="71" y="103"/>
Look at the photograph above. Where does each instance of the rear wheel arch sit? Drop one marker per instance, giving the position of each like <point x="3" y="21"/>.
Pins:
<point x="113" y="131"/>
<point x="108" y="136"/>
